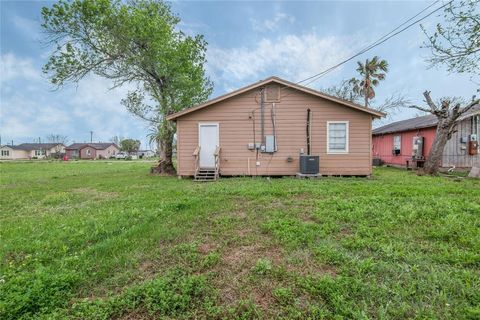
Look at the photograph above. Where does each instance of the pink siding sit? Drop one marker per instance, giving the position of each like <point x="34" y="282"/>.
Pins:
<point x="71" y="153"/>
<point x="383" y="145"/>
<point x="84" y="155"/>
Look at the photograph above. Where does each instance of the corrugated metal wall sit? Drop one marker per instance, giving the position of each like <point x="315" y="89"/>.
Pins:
<point x="456" y="151"/>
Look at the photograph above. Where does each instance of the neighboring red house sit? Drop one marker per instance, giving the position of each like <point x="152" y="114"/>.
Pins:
<point x="394" y="142"/>
<point x="92" y="150"/>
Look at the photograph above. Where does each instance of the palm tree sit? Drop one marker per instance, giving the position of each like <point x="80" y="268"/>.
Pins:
<point x="372" y="72"/>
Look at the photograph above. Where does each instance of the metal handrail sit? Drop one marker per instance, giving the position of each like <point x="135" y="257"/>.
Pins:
<point x="217" y="161"/>
<point x="196" y="154"/>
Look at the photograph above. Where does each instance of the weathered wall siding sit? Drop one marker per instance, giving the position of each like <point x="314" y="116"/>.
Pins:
<point x="84" y="155"/>
<point x="383" y="145"/>
<point x="15" y="154"/>
<point x="71" y="153"/>
<point x="236" y="131"/>
<point x="108" y="152"/>
<point x="455" y="152"/>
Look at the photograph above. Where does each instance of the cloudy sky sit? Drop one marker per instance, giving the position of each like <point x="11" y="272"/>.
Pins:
<point x="248" y="41"/>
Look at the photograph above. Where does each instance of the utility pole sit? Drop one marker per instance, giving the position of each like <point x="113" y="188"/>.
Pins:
<point x="91" y="136"/>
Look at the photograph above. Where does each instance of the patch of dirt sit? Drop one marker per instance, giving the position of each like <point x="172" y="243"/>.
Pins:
<point x="262" y="296"/>
<point x="232" y="274"/>
<point x="243" y="232"/>
<point x="206" y="247"/>
<point x="343" y="233"/>
<point x="249" y="254"/>
<point x="309" y="219"/>
<point x="302" y="262"/>
<point x="147" y="268"/>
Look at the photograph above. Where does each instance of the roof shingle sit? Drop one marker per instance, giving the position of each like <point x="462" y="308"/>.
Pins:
<point x="417" y="123"/>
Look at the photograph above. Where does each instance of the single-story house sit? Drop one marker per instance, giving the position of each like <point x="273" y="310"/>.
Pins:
<point x="145" y="153"/>
<point x="411" y="140"/>
<point x="92" y="150"/>
<point x="31" y="151"/>
<point x="263" y="128"/>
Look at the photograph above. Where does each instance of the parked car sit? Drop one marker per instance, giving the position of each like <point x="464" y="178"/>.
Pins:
<point x="126" y="156"/>
<point x="121" y="155"/>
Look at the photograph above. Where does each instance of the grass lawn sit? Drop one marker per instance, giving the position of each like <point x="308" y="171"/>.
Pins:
<point x="99" y="240"/>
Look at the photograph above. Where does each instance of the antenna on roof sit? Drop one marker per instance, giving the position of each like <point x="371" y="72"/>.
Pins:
<point x="91" y="136"/>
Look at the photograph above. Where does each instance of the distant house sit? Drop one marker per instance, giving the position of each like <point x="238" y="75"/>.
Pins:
<point x="409" y="140"/>
<point x="31" y="151"/>
<point x="92" y="150"/>
<point x="73" y="150"/>
<point x="145" y="153"/>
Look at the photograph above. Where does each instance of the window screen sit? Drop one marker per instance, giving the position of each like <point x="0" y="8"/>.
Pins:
<point x="337" y="136"/>
<point x="397" y="142"/>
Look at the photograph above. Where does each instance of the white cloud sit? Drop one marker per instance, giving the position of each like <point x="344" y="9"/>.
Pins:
<point x="30" y="109"/>
<point x="22" y="116"/>
<point x="100" y="110"/>
<point x="290" y="56"/>
<point x="272" y="24"/>
<point x="12" y="67"/>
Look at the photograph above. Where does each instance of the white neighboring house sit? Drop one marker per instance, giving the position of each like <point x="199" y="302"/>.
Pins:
<point x="30" y="151"/>
<point x="146" y="153"/>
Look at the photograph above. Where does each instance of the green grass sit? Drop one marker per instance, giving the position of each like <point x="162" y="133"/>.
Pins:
<point x="99" y="240"/>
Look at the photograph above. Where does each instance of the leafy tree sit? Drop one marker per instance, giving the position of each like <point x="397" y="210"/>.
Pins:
<point x="456" y="42"/>
<point x="448" y="113"/>
<point x="135" y="42"/>
<point x="130" y="145"/>
<point x="372" y="72"/>
<point x="346" y="91"/>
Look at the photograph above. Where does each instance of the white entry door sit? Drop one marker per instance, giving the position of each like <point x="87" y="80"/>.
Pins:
<point x="208" y="142"/>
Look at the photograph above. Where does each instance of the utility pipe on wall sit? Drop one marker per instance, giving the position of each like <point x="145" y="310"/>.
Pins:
<point x="308" y="130"/>
<point x="274" y="124"/>
<point x="262" y="115"/>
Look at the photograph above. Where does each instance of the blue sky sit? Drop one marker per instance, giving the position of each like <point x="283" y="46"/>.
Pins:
<point x="248" y="41"/>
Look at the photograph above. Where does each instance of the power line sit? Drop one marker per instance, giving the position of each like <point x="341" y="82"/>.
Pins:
<point x="379" y="41"/>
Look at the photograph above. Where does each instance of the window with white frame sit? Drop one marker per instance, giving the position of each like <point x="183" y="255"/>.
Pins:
<point x="337" y="137"/>
<point x="5" y="153"/>
<point x="397" y="144"/>
<point x="40" y="152"/>
<point x="89" y="152"/>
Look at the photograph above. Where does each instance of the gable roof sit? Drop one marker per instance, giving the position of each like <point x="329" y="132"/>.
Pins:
<point x="418" y="123"/>
<point x="283" y="82"/>
<point x="75" y="146"/>
<point x="35" y="146"/>
<point x="96" y="146"/>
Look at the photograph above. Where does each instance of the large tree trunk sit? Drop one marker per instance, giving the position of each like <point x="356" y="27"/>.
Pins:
<point x="448" y="117"/>
<point x="434" y="159"/>
<point x="165" y="165"/>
